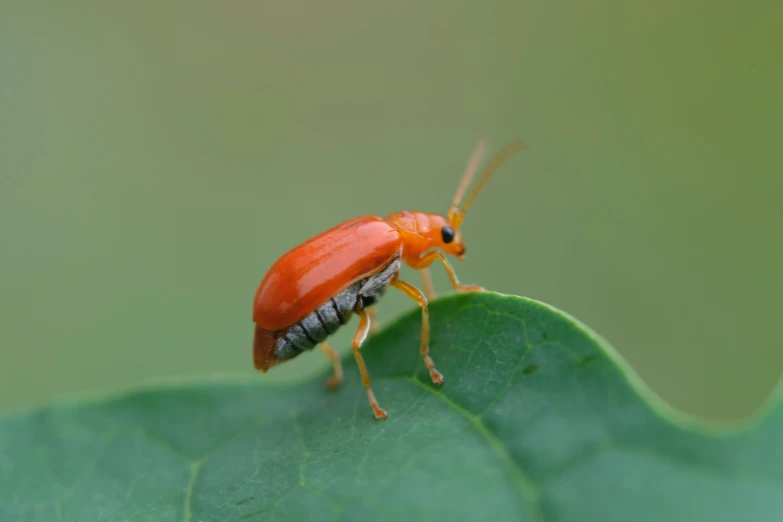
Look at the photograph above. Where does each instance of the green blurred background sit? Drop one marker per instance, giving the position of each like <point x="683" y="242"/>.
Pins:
<point x="156" y="158"/>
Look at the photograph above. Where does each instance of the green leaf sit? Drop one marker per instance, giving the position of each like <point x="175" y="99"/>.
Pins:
<point x="538" y="420"/>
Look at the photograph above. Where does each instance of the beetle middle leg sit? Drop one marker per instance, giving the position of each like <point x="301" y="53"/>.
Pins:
<point x="426" y="260"/>
<point x="426" y="280"/>
<point x="334" y="381"/>
<point x="416" y="294"/>
<point x="375" y="326"/>
<point x="358" y="339"/>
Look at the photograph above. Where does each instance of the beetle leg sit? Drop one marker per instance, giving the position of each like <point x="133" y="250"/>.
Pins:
<point x="374" y="324"/>
<point x="334" y="381"/>
<point x="358" y="339"/>
<point x="416" y="294"/>
<point x="427" y="259"/>
<point x="426" y="279"/>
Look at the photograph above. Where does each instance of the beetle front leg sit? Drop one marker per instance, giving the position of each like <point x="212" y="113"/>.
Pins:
<point x="427" y="259"/>
<point x="416" y="294"/>
<point x="358" y="339"/>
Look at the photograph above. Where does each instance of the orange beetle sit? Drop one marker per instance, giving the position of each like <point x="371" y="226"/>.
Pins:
<point x="315" y="288"/>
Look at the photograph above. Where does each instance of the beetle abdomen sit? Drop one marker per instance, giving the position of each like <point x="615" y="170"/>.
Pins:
<point x="271" y="348"/>
<point x="330" y="316"/>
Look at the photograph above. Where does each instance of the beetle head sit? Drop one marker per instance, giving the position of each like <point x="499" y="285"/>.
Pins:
<point x="446" y="237"/>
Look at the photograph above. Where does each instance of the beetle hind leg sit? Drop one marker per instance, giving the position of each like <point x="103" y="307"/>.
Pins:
<point x="358" y="339"/>
<point x="334" y="381"/>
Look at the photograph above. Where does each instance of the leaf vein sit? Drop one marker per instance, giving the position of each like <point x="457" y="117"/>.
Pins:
<point x="524" y="484"/>
<point x="195" y="467"/>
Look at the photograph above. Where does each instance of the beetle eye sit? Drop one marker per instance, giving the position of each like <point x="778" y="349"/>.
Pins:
<point x="447" y="233"/>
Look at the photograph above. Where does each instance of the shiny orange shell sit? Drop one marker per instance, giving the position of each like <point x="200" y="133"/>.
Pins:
<point x="307" y="276"/>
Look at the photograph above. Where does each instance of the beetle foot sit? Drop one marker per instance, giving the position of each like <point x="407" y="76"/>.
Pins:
<point x="379" y="412"/>
<point x="470" y="288"/>
<point x="435" y="375"/>
<point x="332" y="383"/>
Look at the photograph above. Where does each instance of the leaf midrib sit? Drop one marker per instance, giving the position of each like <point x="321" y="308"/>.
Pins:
<point x="521" y="480"/>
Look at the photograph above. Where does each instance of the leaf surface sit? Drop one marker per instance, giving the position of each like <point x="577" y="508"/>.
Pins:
<point x="539" y="420"/>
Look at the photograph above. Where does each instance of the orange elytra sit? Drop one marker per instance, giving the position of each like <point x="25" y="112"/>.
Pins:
<point x="315" y="288"/>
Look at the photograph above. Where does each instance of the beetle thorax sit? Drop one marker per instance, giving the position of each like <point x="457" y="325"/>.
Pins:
<point x="421" y="231"/>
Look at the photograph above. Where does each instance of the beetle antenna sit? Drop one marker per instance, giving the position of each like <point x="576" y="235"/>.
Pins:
<point x="457" y="214"/>
<point x="474" y="161"/>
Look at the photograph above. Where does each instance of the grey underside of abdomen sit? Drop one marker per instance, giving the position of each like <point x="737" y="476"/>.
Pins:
<point x="330" y="316"/>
